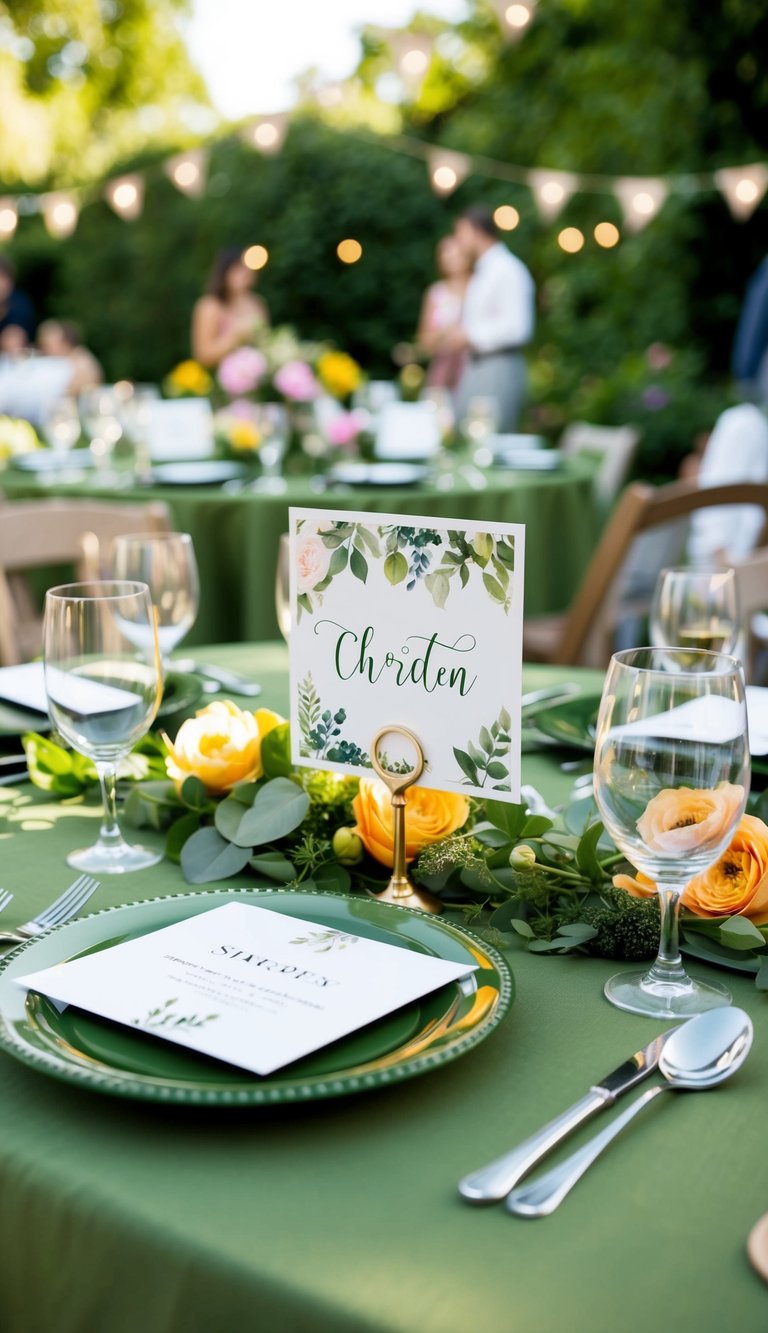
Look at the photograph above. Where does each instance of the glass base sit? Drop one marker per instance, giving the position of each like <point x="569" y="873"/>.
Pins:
<point x="120" y="859"/>
<point x="638" y="993"/>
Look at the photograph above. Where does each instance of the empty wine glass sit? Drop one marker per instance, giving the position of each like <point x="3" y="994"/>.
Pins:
<point x="282" y="586"/>
<point x="102" y="678"/>
<point x="696" y="608"/>
<point x="672" y="773"/>
<point x="100" y="415"/>
<point x="166" y="563"/>
<point x="272" y="424"/>
<point x="62" y="426"/>
<point x="479" y="424"/>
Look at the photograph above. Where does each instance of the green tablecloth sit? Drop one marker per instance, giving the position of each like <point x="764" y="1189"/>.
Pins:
<point x="344" y="1218"/>
<point x="236" y="536"/>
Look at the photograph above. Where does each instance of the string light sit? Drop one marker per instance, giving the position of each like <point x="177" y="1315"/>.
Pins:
<point x="551" y="190"/>
<point x="447" y="170"/>
<point x="640" y="199"/>
<point x="518" y="15"/>
<point x="59" y="214"/>
<point x="506" y="217"/>
<point x="267" y="134"/>
<point x="255" y="257"/>
<point x="607" y="235"/>
<point x="8" y="218"/>
<point x="187" y="172"/>
<point x="743" y="188"/>
<point x="349" y="251"/>
<point x="126" y="196"/>
<point x="571" y="240"/>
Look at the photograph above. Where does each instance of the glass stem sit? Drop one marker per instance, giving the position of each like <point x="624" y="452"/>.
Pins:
<point x="109" y="833"/>
<point x="668" y="966"/>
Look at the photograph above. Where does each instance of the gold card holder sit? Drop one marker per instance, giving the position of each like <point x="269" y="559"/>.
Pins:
<point x="401" y="890"/>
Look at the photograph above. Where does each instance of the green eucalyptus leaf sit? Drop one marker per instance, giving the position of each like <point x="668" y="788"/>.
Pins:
<point x="486" y="740"/>
<point x="194" y="793"/>
<point x="507" y="816"/>
<point x="586" y="852"/>
<point x="579" y="931"/>
<point x="535" y="825"/>
<point x="521" y="928"/>
<point x="338" y="561"/>
<point x="739" y="933"/>
<point x="438" y="586"/>
<point x="276" y="752"/>
<point x="497" y="770"/>
<point x="761" y="980"/>
<point x="493" y="587"/>
<point x="207" y="857"/>
<point x="228" y="818"/>
<point x="279" y="808"/>
<point x="332" y="877"/>
<point x="359" y="565"/>
<point x="178" y="834"/>
<point x="467" y="765"/>
<point x="275" y="866"/>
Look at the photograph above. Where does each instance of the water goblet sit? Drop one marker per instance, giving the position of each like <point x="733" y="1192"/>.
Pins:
<point x="272" y="424"/>
<point x="672" y="772"/>
<point x="62" y="426"/>
<point x="696" y="608"/>
<point x="100" y="416"/>
<point x="102" y="678"/>
<point x="166" y="563"/>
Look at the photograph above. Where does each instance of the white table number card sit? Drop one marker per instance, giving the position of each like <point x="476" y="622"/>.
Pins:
<point x="406" y="621"/>
<point x="244" y="984"/>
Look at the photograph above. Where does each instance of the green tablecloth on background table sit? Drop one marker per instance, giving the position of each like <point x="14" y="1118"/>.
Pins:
<point x="343" y="1217"/>
<point x="236" y="536"/>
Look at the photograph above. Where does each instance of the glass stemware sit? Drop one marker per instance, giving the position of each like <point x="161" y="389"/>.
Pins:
<point x="282" y="586"/>
<point x="696" y="608"/>
<point x="62" y="425"/>
<point x="672" y="771"/>
<point x="100" y="412"/>
<point x="272" y="424"/>
<point x="102" y="678"/>
<point x="166" y="563"/>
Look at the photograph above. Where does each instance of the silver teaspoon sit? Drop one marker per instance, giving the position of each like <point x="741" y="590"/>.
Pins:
<point x="700" y="1054"/>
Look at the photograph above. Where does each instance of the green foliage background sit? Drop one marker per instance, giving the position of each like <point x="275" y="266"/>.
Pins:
<point x="662" y="86"/>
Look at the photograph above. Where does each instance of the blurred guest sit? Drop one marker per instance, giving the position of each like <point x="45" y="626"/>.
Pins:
<point x="229" y="314"/>
<point x="737" y="450"/>
<point x="750" y="348"/>
<point x="497" y="321"/>
<point x="441" y="311"/>
<point x="61" y="338"/>
<point x="17" y="315"/>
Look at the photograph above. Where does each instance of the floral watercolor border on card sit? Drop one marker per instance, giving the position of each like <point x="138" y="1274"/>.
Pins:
<point x="399" y="620"/>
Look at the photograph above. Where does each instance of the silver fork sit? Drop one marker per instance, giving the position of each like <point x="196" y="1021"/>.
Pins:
<point x="63" y="909"/>
<point x="5" y="899"/>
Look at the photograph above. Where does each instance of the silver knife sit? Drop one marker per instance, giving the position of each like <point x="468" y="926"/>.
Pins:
<point x="493" y="1182"/>
<point x="225" y="680"/>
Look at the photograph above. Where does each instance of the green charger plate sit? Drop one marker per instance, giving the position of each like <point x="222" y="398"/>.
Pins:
<point x="571" y="723"/>
<point x="81" y="1048"/>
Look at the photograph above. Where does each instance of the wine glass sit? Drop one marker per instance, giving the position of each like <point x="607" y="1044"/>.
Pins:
<point x="272" y="424"/>
<point x="282" y="586"/>
<point x="62" y="426"/>
<point x="100" y="416"/>
<point x="696" y="608"/>
<point x="479" y="424"/>
<point x="672" y="773"/>
<point x="166" y="563"/>
<point x="102" y="678"/>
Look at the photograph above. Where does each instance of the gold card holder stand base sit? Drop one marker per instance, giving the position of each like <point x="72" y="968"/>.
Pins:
<point x="401" y="890"/>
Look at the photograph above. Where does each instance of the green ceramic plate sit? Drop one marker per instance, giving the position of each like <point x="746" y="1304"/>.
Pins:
<point x="80" y="1048"/>
<point x="571" y="723"/>
<point x="181" y="693"/>
<point x="15" y="721"/>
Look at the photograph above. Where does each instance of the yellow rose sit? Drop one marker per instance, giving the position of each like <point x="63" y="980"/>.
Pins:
<point x="243" y="436"/>
<point x="736" y="885"/>
<point x="190" y="377"/>
<point x="339" y="373"/>
<point x="220" y="745"/>
<point x="429" y="816"/>
<point x="685" y="819"/>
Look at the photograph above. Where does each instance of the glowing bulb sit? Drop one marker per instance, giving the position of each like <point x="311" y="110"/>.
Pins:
<point x="266" y="135"/>
<point x="8" y="220"/>
<point x="746" y="191"/>
<point x="643" y="203"/>
<point x="414" y="62"/>
<point x="517" y="16"/>
<point x="445" y="178"/>
<point x="255" y="257"/>
<point x="349" y="251"/>
<point x="124" y="196"/>
<point x="571" y="240"/>
<point x="607" y="235"/>
<point x="552" y="192"/>
<point x="186" y="174"/>
<point x="506" y="217"/>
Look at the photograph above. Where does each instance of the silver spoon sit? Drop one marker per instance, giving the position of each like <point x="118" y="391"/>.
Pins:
<point x="700" y="1054"/>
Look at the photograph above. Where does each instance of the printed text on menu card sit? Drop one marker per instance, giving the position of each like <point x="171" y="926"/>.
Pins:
<point x="408" y="621"/>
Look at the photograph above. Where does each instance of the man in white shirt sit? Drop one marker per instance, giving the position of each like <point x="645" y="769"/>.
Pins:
<point x="497" y="321"/>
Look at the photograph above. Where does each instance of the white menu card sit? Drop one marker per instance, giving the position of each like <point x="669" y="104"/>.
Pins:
<point x="406" y="621"/>
<point x="247" y="985"/>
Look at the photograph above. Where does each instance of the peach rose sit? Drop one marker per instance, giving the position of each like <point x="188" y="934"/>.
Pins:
<point x="220" y="745"/>
<point x="736" y="885"/>
<point x="312" y="560"/>
<point x="683" y="819"/>
<point x="429" y="816"/>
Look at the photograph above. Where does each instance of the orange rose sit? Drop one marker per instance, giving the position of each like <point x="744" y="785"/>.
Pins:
<point x="429" y="816"/>
<point x="220" y="745"/>
<point x="736" y="885"/>
<point x="685" y="819"/>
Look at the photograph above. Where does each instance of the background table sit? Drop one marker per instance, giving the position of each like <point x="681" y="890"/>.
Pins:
<point x="343" y="1217"/>
<point x="236" y="536"/>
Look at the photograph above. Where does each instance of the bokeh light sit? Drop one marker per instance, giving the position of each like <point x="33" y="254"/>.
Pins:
<point x="8" y="220"/>
<point x="349" y="251"/>
<point x="255" y="257"/>
<point x="506" y="217"/>
<point x="607" y="235"/>
<point x="444" y="179"/>
<point x="517" y="16"/>
<point x="571" y="240"/>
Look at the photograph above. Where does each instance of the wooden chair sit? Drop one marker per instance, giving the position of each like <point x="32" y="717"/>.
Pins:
<point x="43" y="534"/>
<point x="616" y="446"/>
<point x="583" y="635"/>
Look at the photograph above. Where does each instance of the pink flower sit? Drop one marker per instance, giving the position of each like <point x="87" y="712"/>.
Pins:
<point x="344" y="428"/>
<point x="242" y="371"/>
<point x="296" y="380"/>
<point x="242" y="409"/>
<point x="312" y="560"/>
<point x="658" y="356"/>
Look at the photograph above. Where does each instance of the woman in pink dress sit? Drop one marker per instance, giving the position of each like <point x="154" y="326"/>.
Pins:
<point x="229" y="314"/>
<point x="441" y="312"/>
